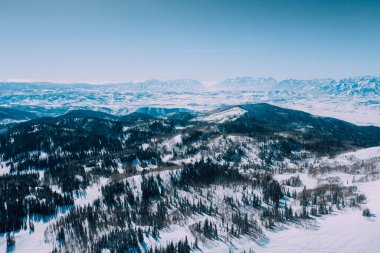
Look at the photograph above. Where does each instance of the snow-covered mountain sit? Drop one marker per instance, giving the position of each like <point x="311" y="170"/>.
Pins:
<point x="304" y="86"/>
<point x="361" y="85"/>
<point x="353" y="86"/>
<point x="246" y="83"/>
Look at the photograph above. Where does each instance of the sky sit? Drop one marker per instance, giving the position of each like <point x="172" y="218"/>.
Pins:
<point x="208" y="40"/>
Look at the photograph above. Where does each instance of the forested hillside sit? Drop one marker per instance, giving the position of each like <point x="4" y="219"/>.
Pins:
<point x="176" y="180"/>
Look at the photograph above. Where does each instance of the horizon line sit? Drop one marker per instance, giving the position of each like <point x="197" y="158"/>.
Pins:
<point x="208" y="83"/>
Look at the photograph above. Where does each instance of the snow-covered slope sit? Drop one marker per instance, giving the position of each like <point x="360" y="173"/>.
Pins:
<point x="230" y="114"/>
<point x="345" y="231"/>
<point x="362" y="154"/>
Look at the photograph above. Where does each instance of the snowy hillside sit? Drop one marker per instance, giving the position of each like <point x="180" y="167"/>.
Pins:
<point x="223" y="116"/>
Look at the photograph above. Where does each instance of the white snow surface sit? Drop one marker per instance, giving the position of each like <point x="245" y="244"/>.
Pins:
<point x="362" y="154"/>
<point x="347" y="231"/>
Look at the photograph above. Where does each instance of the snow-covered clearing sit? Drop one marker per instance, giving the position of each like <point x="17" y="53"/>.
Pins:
<point x="346" y="231"/>
<point x="361" y="154"/>
<point x="91" y="193"/>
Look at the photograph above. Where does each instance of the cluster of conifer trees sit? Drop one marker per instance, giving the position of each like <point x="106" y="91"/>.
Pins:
<point x="22" y="196"/>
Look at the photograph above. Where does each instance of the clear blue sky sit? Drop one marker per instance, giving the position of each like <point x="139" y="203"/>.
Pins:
<point x="208" y="40"/>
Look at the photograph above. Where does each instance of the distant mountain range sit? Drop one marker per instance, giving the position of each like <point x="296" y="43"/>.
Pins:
<point x="359" y="95"/>
<point x="360" y="85"/>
